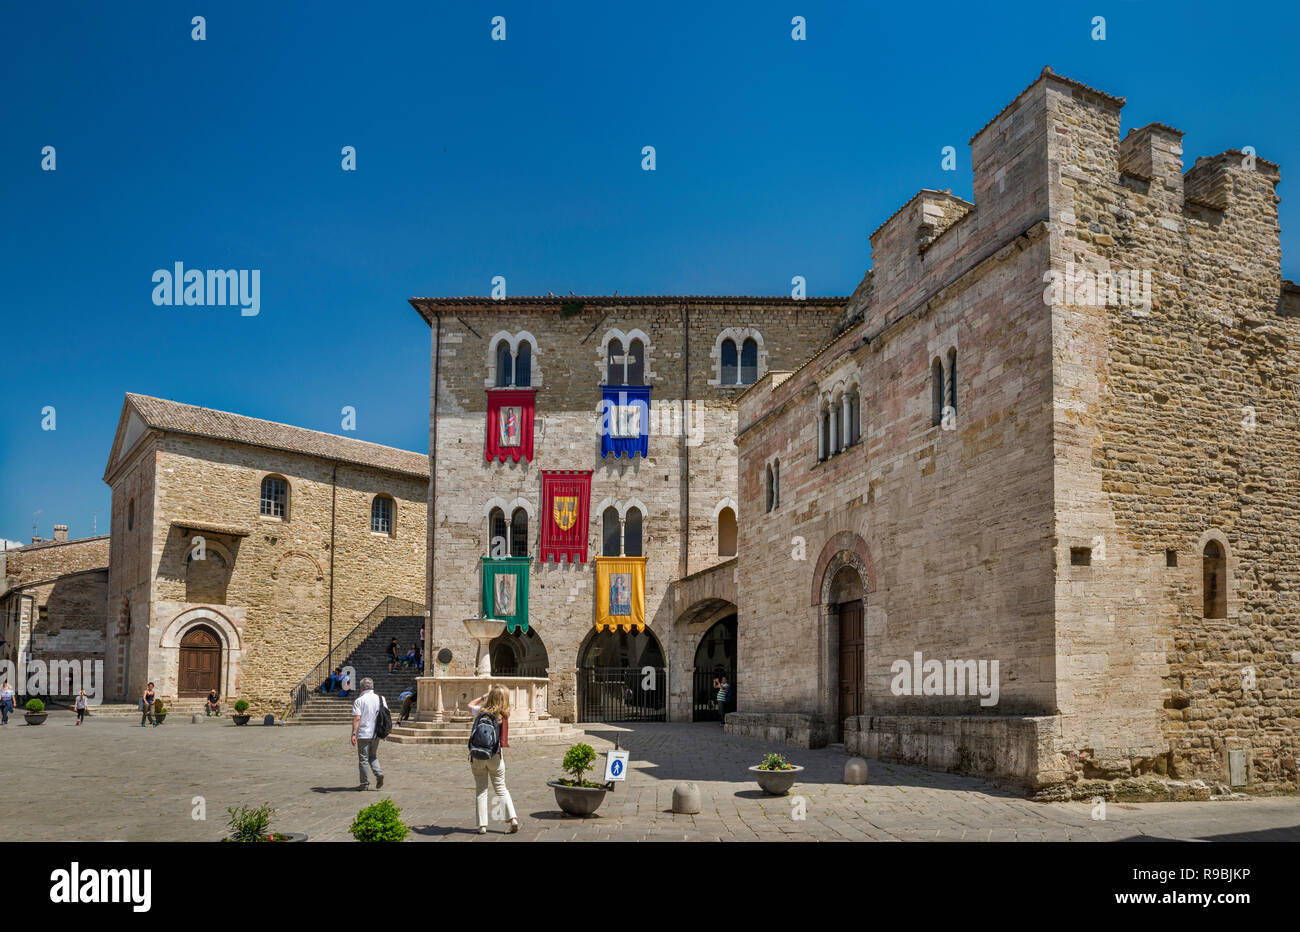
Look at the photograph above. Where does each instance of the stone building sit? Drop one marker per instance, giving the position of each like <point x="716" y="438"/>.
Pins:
<point x="1022" y="506"/>
<point x="676" y="505"/>
<point x="53" y="604"/>
<point x="241" y="549"/>
<point x="1059" y="438"/>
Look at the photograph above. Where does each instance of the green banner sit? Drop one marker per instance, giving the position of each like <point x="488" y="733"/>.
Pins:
<point x="505" y="591"/>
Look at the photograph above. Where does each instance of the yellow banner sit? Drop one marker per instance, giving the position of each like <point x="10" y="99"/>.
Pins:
<point x="620" y="593"/>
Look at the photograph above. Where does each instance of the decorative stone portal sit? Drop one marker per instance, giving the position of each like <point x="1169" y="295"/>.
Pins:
<point x="201" y="647"/>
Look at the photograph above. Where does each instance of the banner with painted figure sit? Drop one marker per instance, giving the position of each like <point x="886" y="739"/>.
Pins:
<point x="620" y="593"/>
<point x="625" y="420"/>
<point x="509" y="424"/>
<point x="505" y="591"/>
<point x="566" y="501"/>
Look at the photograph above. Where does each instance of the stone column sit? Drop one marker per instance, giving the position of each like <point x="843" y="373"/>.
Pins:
<point x="845" y="434"/>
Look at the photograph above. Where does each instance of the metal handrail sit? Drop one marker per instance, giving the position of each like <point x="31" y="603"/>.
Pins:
<point x="384" y="610"/>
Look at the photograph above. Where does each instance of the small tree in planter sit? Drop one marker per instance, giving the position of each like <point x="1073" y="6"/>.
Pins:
<point x="241" y="715"/>
<point x="254" y="824"/>
<point x="578" y="796"/>
<point x="775" y="775"/>
<point x="159" y="711"/>
<point x="35" y="712"/>
<point x="380" y="822"/>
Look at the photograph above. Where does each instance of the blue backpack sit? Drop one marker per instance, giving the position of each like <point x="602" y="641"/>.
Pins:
<point x="484" y="737"/>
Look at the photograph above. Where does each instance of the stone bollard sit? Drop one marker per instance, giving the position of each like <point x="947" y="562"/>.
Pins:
<point x="855" y="771"/>
<point x="269" y="720"/>
<point x="686" y="798"/>
<point x="196" y="718"/>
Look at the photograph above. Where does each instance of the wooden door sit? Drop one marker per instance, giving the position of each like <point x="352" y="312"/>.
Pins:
<point x="852" y="659"/>
<point x="200" y="663"/>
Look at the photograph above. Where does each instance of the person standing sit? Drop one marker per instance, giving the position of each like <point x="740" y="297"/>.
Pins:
<point x="365" y="709"/>
<point x="146" y="706"/>
<point x="724" y="693"/>
<point x="6" y="702"/>
<point x="392" y="654"/>
<point x="488" y="736"/>
<point x="81" y="706"/>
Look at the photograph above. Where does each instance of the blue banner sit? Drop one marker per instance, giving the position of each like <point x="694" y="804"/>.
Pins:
<point x="625" y="420"/>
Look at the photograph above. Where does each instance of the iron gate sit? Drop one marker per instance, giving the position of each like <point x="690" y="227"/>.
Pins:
<point x="623" y="694"/>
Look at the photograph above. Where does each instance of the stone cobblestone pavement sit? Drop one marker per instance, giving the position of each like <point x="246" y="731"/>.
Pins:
<point x="112" y="780"/>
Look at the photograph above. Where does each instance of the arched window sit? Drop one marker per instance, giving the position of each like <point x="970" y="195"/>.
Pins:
<point x="612" y="533"/>
<point x="275" y="496"/>
<point x="771" y="489"/>
<point x="730" y="371"/>
<point x="524" y="366"/>
<point x="936" y="393"/>
<point x="636" y="363"/>
<point x="776" y="484"/>
<point x="1215" y="575"/>
<point x="824" y="432"/>
<point x="749" y="362"/>
<point x="497" y="531"/>
<point x="855" y="415"/>
<point x="726" y="533"/>
<point x="505" y="365"/>
<point x="381" y="515"/>
<point x="615" y="371"/>
<point x="952" y="380"/>
<point x="519" y="533"/>
<point x="632" y="533"/>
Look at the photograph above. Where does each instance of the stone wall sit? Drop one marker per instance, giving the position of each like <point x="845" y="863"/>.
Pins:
<point x="689" y="474"/>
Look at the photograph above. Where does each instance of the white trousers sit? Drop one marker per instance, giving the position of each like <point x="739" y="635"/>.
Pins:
<point x="491" y="770"/>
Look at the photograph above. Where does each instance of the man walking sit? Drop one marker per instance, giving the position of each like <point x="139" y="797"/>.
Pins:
<point x="365" y="709"/>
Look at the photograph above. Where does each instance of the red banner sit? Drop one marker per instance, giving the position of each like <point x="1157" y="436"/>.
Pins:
<point x="566" y="501"/>
<point x="509" y="424"/>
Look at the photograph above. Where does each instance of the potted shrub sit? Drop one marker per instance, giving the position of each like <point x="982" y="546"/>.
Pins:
<point x="254" y="825"/>
<point x="241" y="715"/>
<point x="159" y="711"/>
<point x="575" y="795"/>
<point x="380" y="822"/>
<point x="35" y="712"/>
<point x="775" y="775"/>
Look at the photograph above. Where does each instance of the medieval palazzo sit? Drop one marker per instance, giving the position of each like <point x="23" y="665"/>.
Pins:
<point x="1050" y="438"/>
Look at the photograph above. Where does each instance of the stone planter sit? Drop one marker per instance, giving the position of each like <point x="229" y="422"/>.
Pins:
<point x="775" y="782"/>
<point x="284" y="836"/>
<point x="578" y="800"/>
<point x="160" y="717"/>
<point x="35" y="718"/>
<point x="240" y="719"/>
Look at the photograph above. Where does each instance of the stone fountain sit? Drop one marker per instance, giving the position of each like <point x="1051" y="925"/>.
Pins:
<point x="483" y="631"/>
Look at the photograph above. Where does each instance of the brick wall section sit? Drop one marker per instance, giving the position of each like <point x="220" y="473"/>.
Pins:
<point x="69" y="582"/>
<point x="678" y="486"/>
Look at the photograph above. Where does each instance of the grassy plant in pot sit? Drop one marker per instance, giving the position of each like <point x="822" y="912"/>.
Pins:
<point x="159" y="711"/>
<point x="575" y="795"/>
<point x="255" y="825"/>
<point x="36" y="713"/>
<point x="241" y="715"/>
<point x="775" y="775"/>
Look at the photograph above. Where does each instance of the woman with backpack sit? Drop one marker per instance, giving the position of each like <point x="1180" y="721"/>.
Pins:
<point x="487" y="738"/>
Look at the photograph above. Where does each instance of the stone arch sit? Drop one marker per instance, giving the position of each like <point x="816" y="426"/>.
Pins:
<point x="725" y="503"/>
<point x="513" y="340"/>
<point x="626" y="338"/>
<point x="284" y="558"/>
<point x="1230" y="567"/>
<point x="164" y="658"/>
<point x="738" y="335"/>
<point x="843" y="549"/>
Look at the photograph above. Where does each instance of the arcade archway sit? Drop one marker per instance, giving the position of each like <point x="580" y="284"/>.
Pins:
<point x="622" y="677"/>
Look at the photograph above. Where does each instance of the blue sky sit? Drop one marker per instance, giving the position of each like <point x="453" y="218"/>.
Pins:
<point x="477" y="158"/>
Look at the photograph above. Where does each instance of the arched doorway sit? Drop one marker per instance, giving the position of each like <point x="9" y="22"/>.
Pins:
<point x="714" y="658"/>
<point x="518" y="653"/>
<point x="847" y="606"/>
<point x="622" y="677"/>
<point x="200" y="662"/>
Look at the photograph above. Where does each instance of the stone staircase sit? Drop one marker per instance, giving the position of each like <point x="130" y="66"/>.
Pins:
<point x="370" y="658"/>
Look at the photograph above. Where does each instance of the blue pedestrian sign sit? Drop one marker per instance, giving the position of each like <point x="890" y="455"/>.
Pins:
<point x="616" y="766"/>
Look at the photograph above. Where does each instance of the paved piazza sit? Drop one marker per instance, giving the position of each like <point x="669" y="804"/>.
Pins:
<point x="114" y="780"/>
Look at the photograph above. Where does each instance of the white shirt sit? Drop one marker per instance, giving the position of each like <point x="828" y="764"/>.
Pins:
<point x="366" y="705"/>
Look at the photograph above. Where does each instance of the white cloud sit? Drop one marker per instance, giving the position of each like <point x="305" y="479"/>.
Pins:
<point x="10" y="544"/>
